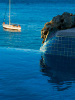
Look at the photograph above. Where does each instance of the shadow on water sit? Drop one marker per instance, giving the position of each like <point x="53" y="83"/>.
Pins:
<point x="60" y="70"/>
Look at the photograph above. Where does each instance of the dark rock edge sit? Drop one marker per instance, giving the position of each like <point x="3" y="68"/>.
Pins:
<point x="59" y="22"/>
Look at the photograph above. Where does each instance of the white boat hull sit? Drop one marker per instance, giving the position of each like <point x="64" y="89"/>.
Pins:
<point x="12" y="27"/>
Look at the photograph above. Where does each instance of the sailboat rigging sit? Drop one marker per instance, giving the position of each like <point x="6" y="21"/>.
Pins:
<point x="10" y="26"/>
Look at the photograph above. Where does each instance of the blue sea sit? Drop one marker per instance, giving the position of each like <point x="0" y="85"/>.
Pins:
<point x="23" y="76"/>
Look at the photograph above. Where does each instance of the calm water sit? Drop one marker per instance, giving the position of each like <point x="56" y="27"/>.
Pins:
<point x="23" y="74"/>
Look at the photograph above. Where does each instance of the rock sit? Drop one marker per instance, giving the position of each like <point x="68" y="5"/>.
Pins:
<point x="56" y="19"/>
<point x="59" y="22"/>
<point x="65" y="14"/>
<point x="71" y="14"/>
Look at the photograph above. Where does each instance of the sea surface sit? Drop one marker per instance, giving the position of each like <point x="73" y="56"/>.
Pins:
<point x="23" y="75"/>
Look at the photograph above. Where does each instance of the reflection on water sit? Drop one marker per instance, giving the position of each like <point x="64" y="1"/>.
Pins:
<point x="11" y="30"/>
<point x="60" y="70"/>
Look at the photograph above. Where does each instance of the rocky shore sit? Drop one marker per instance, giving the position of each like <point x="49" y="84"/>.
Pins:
<point x="60" y="22"/>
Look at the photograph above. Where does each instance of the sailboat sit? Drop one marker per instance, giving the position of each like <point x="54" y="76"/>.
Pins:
<point x="11" y="26"/>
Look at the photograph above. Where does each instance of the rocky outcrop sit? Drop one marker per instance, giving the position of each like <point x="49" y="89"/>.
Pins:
<point x="60" y="22"/>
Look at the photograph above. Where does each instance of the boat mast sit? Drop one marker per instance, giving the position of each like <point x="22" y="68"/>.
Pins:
<point x="9" y="12"/>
